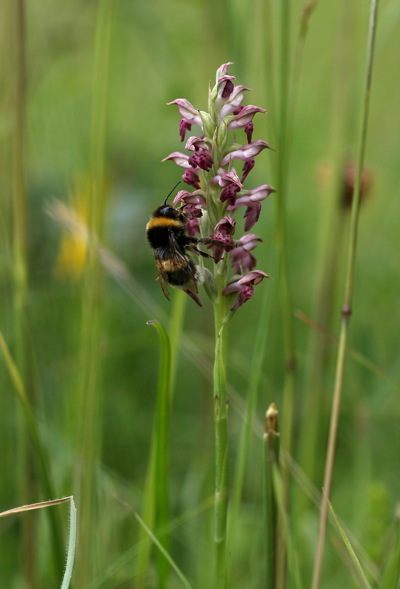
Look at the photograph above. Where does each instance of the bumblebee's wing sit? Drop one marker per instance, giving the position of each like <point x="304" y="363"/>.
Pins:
<point x="178" y="257"/>
<point x="175" y="249"/>
<point x="175" y="263"/>
<point x="161" y="279"/>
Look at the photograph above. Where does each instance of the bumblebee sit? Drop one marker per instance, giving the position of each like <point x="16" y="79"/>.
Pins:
<point x="168" y="238"/>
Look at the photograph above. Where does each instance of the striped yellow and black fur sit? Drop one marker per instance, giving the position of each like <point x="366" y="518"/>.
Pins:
<point x="168" y="238"/>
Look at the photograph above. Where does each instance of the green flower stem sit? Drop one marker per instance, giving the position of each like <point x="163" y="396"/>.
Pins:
<point x="216" y="212"/>
<point x="221" y="440"/>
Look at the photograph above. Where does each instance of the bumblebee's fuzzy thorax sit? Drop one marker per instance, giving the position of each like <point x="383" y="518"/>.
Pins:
<point x="167" y="212"/>
<point x="164" y="221"/>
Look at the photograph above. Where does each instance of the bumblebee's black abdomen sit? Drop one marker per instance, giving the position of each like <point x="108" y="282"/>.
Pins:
<point x="181" y="277"/>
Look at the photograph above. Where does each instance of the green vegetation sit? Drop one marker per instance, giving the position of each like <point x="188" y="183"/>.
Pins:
<point x="97" y="405"/>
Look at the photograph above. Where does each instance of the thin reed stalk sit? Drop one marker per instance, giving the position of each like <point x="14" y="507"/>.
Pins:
<point x="33" y="469"/>
<point x="90" y="398"/>
<point x="271" y="464"/>
<point x="347" y="301"/>
<point x="89" y="420"/>
<point x="285" y="290"/>
<point x="19" y="204"/>
<point x="27" y="476"/>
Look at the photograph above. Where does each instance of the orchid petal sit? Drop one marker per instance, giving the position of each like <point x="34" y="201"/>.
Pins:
<point x="180" y="159"/>
<point x="245" y="152"/>
<point x="187" y="111"/>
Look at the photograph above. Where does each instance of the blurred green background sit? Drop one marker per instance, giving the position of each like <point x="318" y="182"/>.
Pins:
<point x="84" y="87"/>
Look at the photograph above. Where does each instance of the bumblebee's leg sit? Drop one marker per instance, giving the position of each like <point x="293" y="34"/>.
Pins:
<point x="207" y="241"/>
<point x="193" y="248"/>
<point x="191" y="243"/>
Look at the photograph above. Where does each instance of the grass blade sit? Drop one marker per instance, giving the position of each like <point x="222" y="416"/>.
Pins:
<point x="161" y="443"/>
<point x="175" y="331"/>
<point x="156" y="503"/>
<point x="71" y="545"/>
<point x="40" y="452"/>
<point x="160" y="547"/>
<point x="72" y="531"/>
<point x="391" y="574"/>
<point x="353" y="557"/>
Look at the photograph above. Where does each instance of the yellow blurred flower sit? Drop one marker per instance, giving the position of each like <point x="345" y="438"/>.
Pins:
<point x="72" y="253"/>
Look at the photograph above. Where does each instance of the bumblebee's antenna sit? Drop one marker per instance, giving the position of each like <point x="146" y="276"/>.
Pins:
<point x="177" y="184"/>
